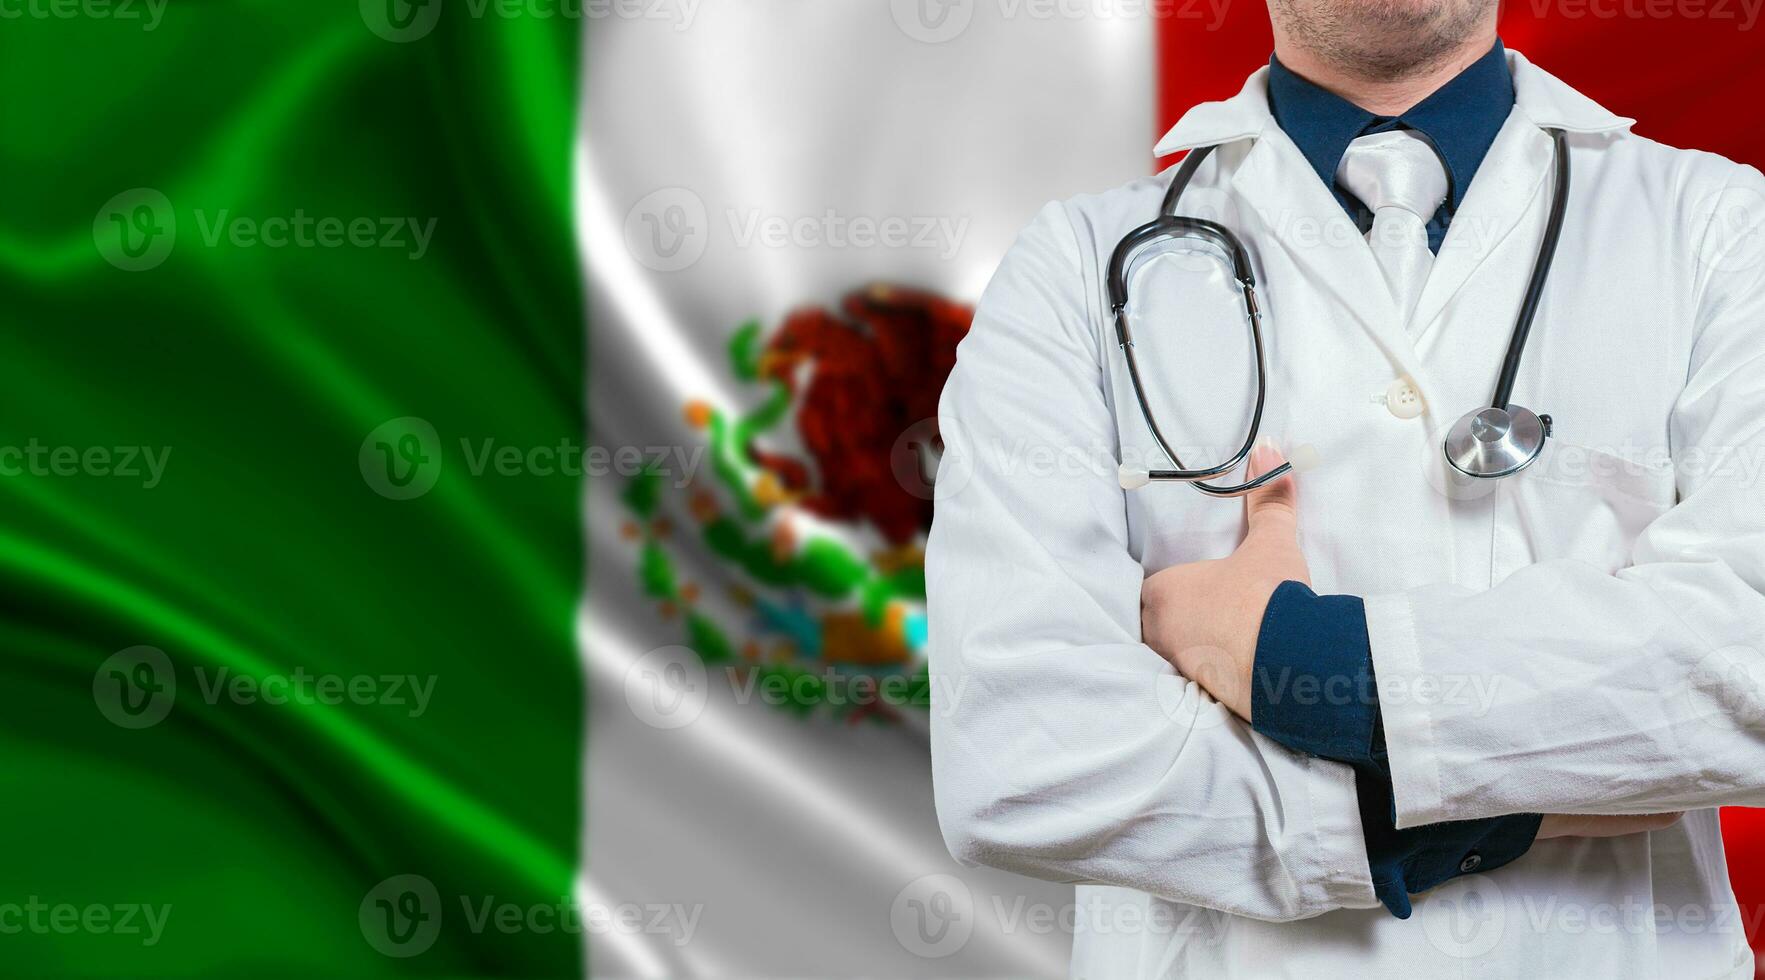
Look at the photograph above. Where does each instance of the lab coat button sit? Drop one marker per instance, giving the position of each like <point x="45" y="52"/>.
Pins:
<point x="1471" y="863"/>
<point x="1403" y="399"/>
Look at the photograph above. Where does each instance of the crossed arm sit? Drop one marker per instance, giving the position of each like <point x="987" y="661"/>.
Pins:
<point x="1211" y="620"/>
<point x="1072" y="750"/>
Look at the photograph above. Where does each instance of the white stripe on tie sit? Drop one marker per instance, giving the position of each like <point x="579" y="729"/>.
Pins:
<point x="1400" y="179"/>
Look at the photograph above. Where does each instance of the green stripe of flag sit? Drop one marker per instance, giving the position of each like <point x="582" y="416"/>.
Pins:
<point x="355" y="687"/>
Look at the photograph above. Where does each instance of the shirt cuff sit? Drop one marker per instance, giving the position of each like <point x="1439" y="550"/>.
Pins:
<point x="1312" y="691"/>
<point x="1413" y="860"/>
<point x="1312" y="684"/>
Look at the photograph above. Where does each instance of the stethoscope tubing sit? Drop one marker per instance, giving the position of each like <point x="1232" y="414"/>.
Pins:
<point x="1166" y="224"/>
<point x="1547" y="253"/>
<point x="1169" y="224"/>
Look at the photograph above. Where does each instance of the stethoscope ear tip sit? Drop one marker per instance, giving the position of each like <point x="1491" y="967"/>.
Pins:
<point x="1304" y="458"/>
<point x="1132" y="479"/>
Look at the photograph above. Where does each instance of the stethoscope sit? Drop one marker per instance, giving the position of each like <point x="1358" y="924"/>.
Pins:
<point x="1486" y="444"/>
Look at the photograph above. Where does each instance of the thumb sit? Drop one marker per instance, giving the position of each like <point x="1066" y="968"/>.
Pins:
<point x="1272" y="503"/>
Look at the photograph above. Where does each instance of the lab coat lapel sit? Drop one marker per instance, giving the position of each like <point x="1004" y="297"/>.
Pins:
<point x="1509" y="185"/>
<point x="1277" y="184"/>
<point x="1511" y="189"/>
<point x="1280" y="188"/>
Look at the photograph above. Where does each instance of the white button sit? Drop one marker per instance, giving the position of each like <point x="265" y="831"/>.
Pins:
<point x="1403" y="399"/>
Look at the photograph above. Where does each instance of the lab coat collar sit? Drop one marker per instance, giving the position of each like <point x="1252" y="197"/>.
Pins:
<point x="1545" y="99"/>
<point x="1300" y="211"/>
<point x="1551" y="103"/>
<point x="1243" y="116"/>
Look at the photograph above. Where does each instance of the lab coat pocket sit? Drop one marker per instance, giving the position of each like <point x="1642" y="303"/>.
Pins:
<point x="1578" y="504"/>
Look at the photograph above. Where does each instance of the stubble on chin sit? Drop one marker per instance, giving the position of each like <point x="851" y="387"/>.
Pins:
<point x="1382" y="40"/>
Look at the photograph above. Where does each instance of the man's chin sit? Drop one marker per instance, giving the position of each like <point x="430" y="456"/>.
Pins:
<point x="1383" y="39"/>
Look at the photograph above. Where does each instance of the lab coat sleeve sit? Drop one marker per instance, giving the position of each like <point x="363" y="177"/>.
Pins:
<point x="1636" y="692"/>
<point x="1062" y="747"/>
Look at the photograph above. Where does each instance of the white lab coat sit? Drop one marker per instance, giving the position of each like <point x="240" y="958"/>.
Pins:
<point x="1584" y="637"/>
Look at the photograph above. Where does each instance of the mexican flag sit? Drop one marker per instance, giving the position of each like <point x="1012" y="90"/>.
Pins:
<point x="464" y="463"/>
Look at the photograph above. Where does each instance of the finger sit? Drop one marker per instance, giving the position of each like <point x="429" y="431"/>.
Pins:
<point x="1638" y="824"/>
<point x="1273" y="501"/>
<point x="1563" y="825"/>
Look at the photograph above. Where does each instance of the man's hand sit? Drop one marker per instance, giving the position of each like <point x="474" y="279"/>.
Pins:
<point x="1575" y="825"/>
<point x="1204" y="616"/>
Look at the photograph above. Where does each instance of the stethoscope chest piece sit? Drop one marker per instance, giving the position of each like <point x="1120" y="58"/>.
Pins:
<point x="1490" y="443"/>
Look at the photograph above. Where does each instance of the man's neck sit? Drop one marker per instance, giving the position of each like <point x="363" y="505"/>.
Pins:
<point x="1383" y="97"/>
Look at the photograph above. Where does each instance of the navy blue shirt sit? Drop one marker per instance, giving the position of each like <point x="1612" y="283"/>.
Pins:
<point x="1459" y="120"/>
<point x="1312" y="690"/>
<point x="1312" y="686"/>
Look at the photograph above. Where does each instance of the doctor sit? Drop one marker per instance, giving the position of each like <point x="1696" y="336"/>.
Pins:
<point x="1378" y="719"/>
